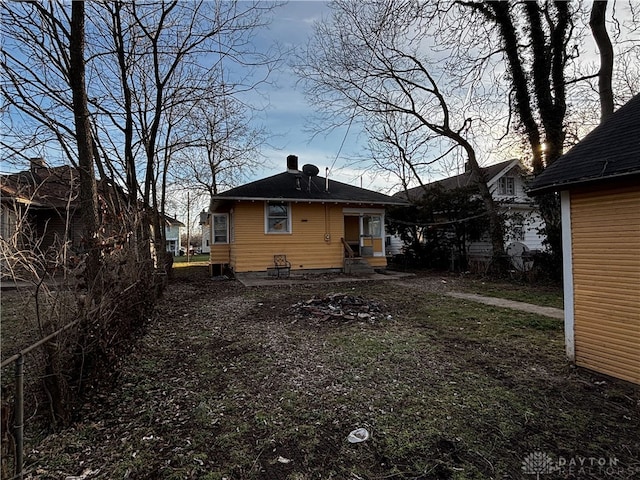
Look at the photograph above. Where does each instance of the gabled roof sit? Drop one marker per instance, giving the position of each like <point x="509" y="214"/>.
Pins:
<point x="50" y="187"/>
<point x="173" y="222"/>
<point x="458" y="181"/>
<point x="611" y="150"/>
<point x="296" y="187"/>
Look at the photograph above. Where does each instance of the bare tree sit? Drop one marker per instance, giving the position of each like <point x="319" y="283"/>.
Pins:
<point x="36" y="92"/>
<point x="369" y="60"/>
<point x="605" y="75"/>
<point x="535" y="42"/>
<point x="88" y="193"/>
<point x="221" y="146"/>
<point x="168" y="56"/>
<point x="148" y="65"/>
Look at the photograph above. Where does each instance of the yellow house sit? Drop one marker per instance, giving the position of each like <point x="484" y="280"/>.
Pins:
<point x="319" y="224"/>
<point x="599" y="185"/>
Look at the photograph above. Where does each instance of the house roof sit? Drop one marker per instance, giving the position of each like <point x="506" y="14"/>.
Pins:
<point x="295" y="186"/>
<point x="45" y="186"/>
<point x="611" y="150"/>
<point x="458" y="181"/>
<point x="173" y="221"/>
<point x="49" y="187"/>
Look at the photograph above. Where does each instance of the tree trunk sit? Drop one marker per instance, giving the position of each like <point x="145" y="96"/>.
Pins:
<point x="605" y="74"/>
<point x="496" y="225"/>
<point x="88" y="193"/>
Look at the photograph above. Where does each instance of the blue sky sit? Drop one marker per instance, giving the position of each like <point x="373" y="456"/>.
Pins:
<point x="289" y="115"/>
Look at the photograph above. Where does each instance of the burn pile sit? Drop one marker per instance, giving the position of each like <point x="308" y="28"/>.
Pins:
<point x="340" y="307"/>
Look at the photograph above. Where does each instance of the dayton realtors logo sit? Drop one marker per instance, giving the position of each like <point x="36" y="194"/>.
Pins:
<point x="537" y="463"/>
<point x="540" y="463"/>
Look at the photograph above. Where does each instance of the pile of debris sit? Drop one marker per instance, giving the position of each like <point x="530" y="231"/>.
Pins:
<point x="340" y="306"/>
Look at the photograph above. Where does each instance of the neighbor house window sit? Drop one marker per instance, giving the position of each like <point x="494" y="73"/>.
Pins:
<point x="278" y="217"/>
<point x="506" y="186"/>
<point x="518" y="233"/>
<point x="220" y="228"/>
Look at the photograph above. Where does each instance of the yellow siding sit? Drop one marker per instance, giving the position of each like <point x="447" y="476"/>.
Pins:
<point x="605" y="227"/>
<point x="220" y="254"/>
<point x="305" y="247"/>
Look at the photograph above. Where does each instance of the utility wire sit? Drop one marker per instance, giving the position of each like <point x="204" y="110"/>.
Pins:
<point x="353" y="115"/>
<point x="436" y="224"/>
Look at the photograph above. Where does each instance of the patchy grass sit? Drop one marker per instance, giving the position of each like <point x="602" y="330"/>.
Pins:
<point x="543" y="295"/>
<point x="181" y="261"/>
<point x="229" y="382"/>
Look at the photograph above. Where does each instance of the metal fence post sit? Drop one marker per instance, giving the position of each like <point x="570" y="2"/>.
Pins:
<point x="19" y="416"/>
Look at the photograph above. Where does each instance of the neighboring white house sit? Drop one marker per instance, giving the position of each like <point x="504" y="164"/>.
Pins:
<point x="205" y="225"/>
<point x="506" y="182"/>
<point x="173" y="232"/>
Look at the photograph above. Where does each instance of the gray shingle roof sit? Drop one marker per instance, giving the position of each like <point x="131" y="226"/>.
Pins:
<point x="457" y="181"/>
<point x="284" y="186"/>
<point x="611" y="150"/>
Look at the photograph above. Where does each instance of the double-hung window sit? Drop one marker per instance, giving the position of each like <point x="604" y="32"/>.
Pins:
<point x="220" y="228"/>
<point x="277" y="217"/>
<point x="506" y="186"/>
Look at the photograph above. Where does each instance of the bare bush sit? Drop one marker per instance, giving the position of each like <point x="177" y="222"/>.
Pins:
<point x="104" y="311"/>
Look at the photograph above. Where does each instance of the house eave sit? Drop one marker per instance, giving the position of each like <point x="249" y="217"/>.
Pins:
<point x="222" y="199"/>
<point x="581" y="182"/>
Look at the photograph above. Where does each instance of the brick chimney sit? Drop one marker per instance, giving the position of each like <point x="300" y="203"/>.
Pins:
<point x="292" y="164"/>
<point x="37" y="162"/>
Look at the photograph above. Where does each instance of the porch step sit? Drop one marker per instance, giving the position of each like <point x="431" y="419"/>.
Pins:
<point x="357" y="266"/>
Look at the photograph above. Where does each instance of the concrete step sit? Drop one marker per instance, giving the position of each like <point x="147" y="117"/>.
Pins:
<point x="357" y="266"/>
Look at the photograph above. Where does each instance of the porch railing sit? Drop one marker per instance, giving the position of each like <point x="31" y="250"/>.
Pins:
<point x="347" y="248"/>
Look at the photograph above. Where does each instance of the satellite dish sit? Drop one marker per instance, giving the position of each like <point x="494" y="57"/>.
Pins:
<point x="310" y="170"/>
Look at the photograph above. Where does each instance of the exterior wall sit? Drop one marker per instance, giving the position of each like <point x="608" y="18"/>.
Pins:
<point x="313" y="243"/>
<point x="51" y="227"/>
<point x="8" y="222"/>
<point x="605" y="226"/>
<point x="518" y="204"/>
<point x="394" y="245"/>
<point x="519" y="193"/>
<point x="206" y="237"/>
<point x="482" y="249"/>
<point x="172" y="233"/>
<point x="527" y="217"/>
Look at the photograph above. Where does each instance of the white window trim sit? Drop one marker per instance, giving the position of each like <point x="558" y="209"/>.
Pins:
<point x="213" y="232"/>
<point x="266" y="218"/>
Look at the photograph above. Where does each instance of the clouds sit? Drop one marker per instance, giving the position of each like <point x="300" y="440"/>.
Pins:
<point x="286" y="112"/>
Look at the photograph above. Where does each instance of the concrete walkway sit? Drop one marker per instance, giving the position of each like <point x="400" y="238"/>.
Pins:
<point x="512" y="304"/>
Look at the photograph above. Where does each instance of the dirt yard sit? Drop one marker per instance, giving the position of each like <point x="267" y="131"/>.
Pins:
<point x="230" y="382"/>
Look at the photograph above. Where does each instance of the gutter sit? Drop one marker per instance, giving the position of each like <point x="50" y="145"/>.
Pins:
<point x="556" y="187"/>
<point x="308" y="200"/>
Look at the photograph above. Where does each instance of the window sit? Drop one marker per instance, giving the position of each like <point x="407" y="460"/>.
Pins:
<point x="372" y="225"/>
<point x="506" y="186"/>
<point x="278" y="218"/>
<point x="220" y="228"/>
<point x="517" y="232"/>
